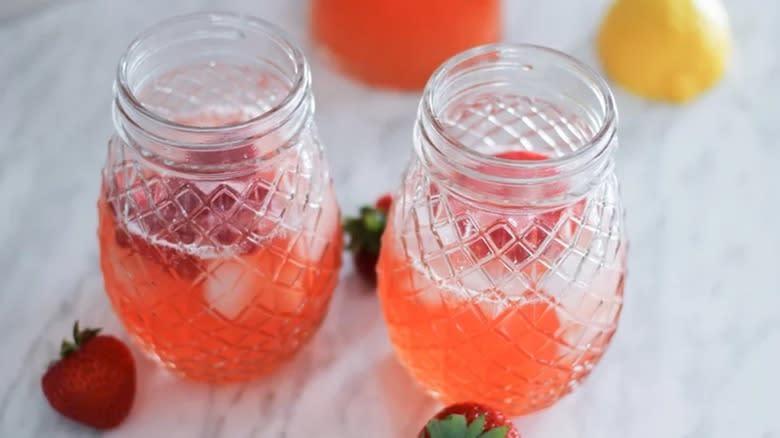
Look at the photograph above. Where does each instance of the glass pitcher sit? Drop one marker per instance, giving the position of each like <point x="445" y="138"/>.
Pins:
<point x="220" y="238"/>
<point x="399" y="43"/>
<point x="501" y="269"/>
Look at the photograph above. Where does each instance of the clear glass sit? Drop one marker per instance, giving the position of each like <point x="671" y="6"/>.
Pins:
<point x="220" y="238"/>
<point x="501" y="270"/>
<point x="399" y="43"/>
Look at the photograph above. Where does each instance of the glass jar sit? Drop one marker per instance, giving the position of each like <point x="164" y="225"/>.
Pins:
<point x="220" y="237"/>
<point x="399" y="43"/>
<point x="501" y="270"/>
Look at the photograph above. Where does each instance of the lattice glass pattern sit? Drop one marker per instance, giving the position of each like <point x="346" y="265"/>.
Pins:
<point x="229" y="92"/>
<point x="219" y="278"/>
<point x="515" y="307"/>
<point x="494" y="124"/>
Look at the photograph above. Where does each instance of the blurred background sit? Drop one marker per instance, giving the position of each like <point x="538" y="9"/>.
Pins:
<point x="699" y="341"/>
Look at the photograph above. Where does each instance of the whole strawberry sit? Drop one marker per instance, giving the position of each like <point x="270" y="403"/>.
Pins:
<point x="365" y="236"/>
<point x="94" y="380"/>
<point x="469" y="420"/>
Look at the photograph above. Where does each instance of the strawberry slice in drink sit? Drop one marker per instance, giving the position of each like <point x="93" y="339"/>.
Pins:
<point x="516" y="237"/>
<point x="149" y="223"/>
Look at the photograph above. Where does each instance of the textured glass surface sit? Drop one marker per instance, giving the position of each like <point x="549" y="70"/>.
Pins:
<point x="508" y="305"/>
<point x="219" y="275"/>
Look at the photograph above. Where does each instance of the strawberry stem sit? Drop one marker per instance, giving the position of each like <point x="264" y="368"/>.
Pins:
<point x="80" y="337"/>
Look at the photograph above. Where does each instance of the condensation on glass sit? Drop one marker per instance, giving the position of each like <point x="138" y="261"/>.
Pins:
<point x="220" y="238"/>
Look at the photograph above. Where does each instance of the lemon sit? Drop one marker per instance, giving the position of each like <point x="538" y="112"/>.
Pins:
<point x="665" y="49"/>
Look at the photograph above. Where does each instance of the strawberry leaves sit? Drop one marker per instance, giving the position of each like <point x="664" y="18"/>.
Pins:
<point x="456" y="426"/>
<point x="476" y="427"/>
<point x="79" y="338"/>
<point x="365" y="236"/>
<point x="365" y="231"/>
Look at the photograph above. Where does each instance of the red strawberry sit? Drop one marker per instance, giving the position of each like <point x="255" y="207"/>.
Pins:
<point x="365" y="264"/>
<point x="365" y="236"/>
<point x="469" y="420"/>
<point x="94" y="381"/>
<point x="384" y="203"/>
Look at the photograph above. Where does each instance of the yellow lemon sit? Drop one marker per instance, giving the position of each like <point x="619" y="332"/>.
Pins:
<point x="665" y="49"/>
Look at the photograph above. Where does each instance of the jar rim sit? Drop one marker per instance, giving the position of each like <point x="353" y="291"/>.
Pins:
<point x="599" y="140"/>
<point x="293" y="98"/>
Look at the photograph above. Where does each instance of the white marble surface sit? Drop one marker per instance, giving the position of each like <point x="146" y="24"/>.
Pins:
<point x="698" y="349"/>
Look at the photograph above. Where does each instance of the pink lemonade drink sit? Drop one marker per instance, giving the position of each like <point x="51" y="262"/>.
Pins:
<point x="219" y="230"/>
<point x="501" y="271"/>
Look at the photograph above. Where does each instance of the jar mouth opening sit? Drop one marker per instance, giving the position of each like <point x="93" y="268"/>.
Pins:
<point x="518" y="58"/>
<point x="229" y="27"/>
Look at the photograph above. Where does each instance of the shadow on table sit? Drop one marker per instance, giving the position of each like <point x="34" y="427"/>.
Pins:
<point x="345" y="380"/>
<point x="404" y="398"/>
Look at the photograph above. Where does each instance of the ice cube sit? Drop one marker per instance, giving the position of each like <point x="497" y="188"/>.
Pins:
<point x="413" y="280"/>
<point x="229" y="288"/>
<point x="281" y="301"/>
<point x="320" y="229"/>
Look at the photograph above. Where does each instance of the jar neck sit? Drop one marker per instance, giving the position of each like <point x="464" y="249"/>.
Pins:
<point x="501" y="156"/>
<point x="180" y="87"/>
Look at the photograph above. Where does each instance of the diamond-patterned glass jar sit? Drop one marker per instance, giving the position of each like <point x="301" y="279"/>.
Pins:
<point x="501" y="271"/>
<point x="220" y="237"/>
